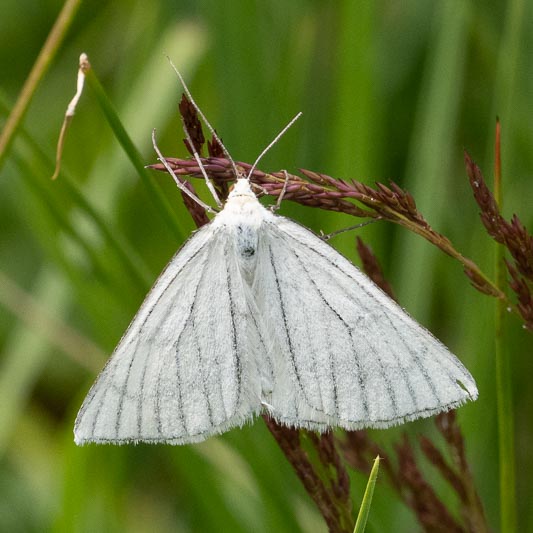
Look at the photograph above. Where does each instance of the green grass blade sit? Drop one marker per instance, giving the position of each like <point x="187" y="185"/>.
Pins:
<point x="26" y="354"/>
<point x="364" y="511"/>
<point x="130" y="260"/>
<point x="133" y="154"/>
<point x="432" y="141"/>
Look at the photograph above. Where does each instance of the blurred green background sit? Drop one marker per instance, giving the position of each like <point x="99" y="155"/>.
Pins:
<point x="388" y="89"/>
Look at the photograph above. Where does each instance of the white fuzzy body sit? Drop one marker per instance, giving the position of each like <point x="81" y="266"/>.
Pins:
<point x="257" y="313"/>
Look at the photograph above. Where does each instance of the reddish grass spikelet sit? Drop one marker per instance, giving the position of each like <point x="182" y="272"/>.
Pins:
<point x="327" y="452"/>
<point x="490" y="213"/>
<point x="196" y="211"/>
<point x="192" y="125"/>
<point x="420" y="496"/>
<point x="359" y="451"/>
<point x="214" y="148"/>
<point x="320" y="190"/>
<point x="520" y="244"/>
<point x="462" y="480"/>
<point x="331" y="493"/>
<point x="389" y="203"/>
<point x="523" y="293"/>
<point x="438" y="460"/>
<point x="511" y="234"/>
<point x="372" y="268"/>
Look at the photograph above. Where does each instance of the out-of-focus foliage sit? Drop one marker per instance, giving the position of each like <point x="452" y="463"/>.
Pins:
<point x="388" y="90"/>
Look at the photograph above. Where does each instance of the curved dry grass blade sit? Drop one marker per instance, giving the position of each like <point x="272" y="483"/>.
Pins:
<point x="69" y="114"/>
<point x="43" y="61"/>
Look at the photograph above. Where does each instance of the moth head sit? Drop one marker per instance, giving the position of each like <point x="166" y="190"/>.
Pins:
<point x="241" y="188"/>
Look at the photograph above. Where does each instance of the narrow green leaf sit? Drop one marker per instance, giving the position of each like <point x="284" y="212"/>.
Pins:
<point x="133" y="154"/>
<point x="364" y="511"/>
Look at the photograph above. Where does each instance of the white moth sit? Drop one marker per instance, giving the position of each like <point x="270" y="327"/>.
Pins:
<point x="256" y="313"/>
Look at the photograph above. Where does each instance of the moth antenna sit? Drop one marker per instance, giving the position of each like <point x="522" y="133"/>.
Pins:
<point x="274" y="141"/>
<point x="209" y="127"/>
<point x="202" y="169"/>
<point x="328" y="236"/>
<point x="180" y="185"/>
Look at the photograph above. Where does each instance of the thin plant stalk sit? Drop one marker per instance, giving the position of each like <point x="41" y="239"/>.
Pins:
<point x="505" y="92"/>
<point x="503" y="377"/>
